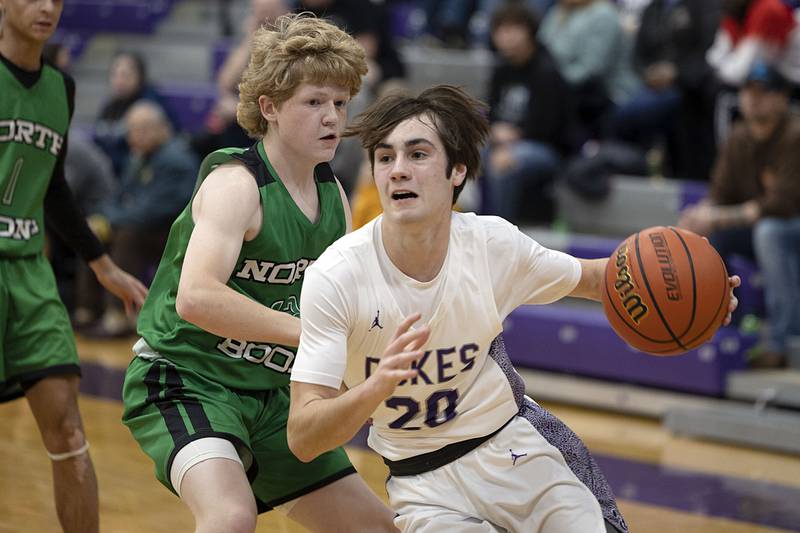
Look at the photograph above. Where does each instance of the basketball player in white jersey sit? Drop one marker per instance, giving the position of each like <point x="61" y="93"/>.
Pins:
<point x="401" y="323"/>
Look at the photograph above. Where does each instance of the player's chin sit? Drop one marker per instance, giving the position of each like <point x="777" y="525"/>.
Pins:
<point x="329" y="145"/>
<point x="401" y="216"/>
<point x="42" y="32"/>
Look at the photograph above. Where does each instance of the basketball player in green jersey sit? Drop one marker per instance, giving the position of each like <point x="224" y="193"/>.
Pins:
<point x="207" y="394"/>
<point x="38" y="358"/>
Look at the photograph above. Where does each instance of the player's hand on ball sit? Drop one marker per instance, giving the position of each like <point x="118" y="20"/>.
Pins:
<point x="734" y="282"/>
<point x="395" y="363"/>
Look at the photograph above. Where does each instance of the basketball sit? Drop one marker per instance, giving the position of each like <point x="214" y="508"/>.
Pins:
<point x="665" y="290"/>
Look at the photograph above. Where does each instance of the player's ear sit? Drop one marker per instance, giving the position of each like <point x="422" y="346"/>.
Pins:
<point x="458" y="174"/>
<point x="268" y="108"/>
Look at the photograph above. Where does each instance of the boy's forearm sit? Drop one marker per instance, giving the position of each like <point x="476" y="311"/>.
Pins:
<point x="322" y="424"/>
<point x="591" y="282"/>
<point x="220" y="310"/>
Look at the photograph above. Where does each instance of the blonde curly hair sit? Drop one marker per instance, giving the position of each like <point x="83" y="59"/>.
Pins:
<point x="296" y="49"/>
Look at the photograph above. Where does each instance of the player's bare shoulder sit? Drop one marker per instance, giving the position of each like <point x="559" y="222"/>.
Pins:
<point x="231" y="191"/>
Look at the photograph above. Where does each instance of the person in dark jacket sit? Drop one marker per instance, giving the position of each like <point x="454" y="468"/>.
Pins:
<point x="156" y="184"/>
<point x="128" y="83"/>
<point x="531" y="119"/>
<point x="677" y="99"/>
<point x="753" y="208"/>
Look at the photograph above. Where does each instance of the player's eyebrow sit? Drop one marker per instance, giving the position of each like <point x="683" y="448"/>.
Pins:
<point x="409" y="143"/>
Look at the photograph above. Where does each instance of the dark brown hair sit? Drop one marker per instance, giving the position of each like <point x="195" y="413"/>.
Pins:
<point x="458" y="119"/>
<point x="515" y="14"/>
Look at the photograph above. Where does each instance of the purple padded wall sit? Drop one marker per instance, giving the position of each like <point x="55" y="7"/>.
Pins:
<point x="579" y="340"/>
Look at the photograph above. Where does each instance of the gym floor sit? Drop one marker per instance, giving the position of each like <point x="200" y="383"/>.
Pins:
<point x="663" y="483"/>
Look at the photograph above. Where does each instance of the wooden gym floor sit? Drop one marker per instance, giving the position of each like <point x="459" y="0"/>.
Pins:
<point x="663" y="483"/>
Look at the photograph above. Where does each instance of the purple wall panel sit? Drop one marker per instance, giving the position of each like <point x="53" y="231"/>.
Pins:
<point x="578" y="340"/>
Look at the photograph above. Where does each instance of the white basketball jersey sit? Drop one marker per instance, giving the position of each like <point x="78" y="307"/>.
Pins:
<point x="466" y="387"/>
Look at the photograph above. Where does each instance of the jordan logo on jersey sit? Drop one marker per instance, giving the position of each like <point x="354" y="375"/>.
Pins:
<point x="376" y="323"/>
<point x="515" y="456"/>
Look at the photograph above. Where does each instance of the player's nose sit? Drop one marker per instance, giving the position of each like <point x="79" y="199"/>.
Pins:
<point x="399" y="169"/>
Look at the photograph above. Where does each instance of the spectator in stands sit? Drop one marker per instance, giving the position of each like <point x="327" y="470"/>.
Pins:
<point x="87" y="169"/>
<point x="90" y="176"/>
<point x="676" y="103"/>
<point x="128" y="84"/>
<point x="751" y="31"/>
<point x="368" y="22"/>
<point x="530" y="119"/>
<point x="591" y="49"/>
<point x="457" y="24"/>
<point x="538" y="7"/>
<point x="753" y="208"/>
<point x="157" y="183"/>
<point x="222" y="129"/>
<point x="447" y="21"/>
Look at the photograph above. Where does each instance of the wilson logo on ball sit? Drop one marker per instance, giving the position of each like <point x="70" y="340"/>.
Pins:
<point x="624" y="286"/>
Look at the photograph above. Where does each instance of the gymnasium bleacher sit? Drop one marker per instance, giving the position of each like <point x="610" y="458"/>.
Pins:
<point x="567" y="351"/>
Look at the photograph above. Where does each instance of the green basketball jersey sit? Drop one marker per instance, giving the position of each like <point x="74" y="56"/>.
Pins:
<point x="33" y="123"/>
<point x="269" y="270"/>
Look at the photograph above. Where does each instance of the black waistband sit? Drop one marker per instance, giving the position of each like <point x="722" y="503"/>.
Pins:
<point x="438" y="458"/>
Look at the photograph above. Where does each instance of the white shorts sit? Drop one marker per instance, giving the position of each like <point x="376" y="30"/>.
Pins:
<point x="516" y="481"/>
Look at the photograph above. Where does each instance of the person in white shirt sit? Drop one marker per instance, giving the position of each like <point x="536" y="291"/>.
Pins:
<point x="402" y="323"/>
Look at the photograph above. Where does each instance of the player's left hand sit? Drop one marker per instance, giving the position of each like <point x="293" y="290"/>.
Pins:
<point x="733" y="281"/>
<point x="119" y="283"/>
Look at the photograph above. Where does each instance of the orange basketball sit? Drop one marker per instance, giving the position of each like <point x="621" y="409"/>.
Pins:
<point x="665" y="290"/>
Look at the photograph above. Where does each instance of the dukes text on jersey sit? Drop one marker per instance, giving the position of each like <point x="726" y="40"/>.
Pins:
<point x="436" y="366"/>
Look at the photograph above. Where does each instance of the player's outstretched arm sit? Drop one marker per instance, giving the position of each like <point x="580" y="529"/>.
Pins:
<point x="322" y="418"/>
<point x="119" y="283"/>
<point x="227" y="211"/>
<point x="593" y="272"/>
<point x="591" y="281"/>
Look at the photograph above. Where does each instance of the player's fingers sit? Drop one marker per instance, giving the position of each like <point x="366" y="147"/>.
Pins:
<point x="406" y="324"/>
<point x="398" y="363"/>
<point x="128" y="306"/>
<point x="735" y="281"/>
<point x="403" y="359"/>
<point x="734" y="303"/>
<point x="419" y="340"/>
<point x="135" y="297"/>
<point x="141" y="293"/>
<point x="399" y="375"/>
<point x="401" y="343"/>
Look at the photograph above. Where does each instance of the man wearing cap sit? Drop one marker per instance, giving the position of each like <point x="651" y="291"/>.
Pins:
<point x="753" y="207"/>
